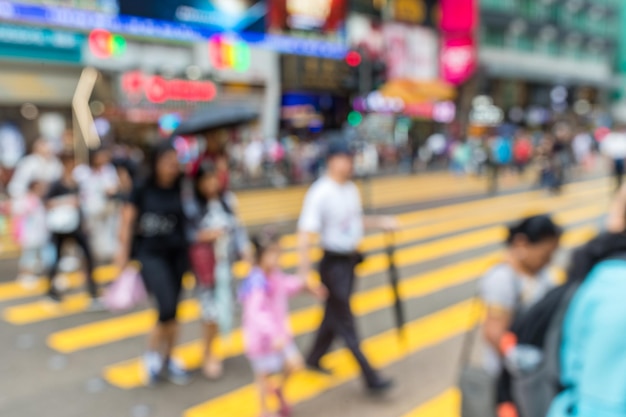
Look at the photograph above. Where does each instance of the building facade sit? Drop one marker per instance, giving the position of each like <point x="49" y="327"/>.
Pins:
<point x="549" y="55"/>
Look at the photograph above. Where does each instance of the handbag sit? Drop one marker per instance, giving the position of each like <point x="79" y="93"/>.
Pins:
<point x="63" y="219"/>
<point x="203" y="262"/>
<point x="126" y="292"/>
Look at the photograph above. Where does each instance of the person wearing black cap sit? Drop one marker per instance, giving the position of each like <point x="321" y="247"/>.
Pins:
<point x="332" y="208"/>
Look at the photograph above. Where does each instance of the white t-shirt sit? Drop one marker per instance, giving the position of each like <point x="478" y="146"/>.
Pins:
<point x="94" y="185"/>
<point x="334" y="211"/>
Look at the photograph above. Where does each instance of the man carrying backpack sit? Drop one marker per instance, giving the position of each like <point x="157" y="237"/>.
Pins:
<point x="579" y="331"/>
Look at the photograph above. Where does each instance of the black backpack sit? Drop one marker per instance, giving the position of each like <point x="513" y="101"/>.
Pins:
<point x="542" y="326"/>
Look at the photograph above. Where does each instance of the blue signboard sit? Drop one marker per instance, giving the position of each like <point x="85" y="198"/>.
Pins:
<point x="160" y="29"/>
<point x="216" y="15"/>
<point x="40" y="44"/>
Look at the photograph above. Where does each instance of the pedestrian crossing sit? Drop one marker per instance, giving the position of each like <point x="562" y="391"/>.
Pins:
<point x="259" y="207"/>
<point x="451" y="232"/>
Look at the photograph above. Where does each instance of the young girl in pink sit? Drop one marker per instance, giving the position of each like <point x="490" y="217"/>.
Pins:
<point x="268" y="339"/>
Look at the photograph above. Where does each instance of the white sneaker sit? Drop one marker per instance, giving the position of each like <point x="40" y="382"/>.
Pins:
<point x="153" y="366"/>
<point x="28" y="281"/>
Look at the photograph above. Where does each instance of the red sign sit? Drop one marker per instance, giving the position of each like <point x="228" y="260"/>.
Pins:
<point x="458" y="59"/>
<point x="159" y="90"/>
<point x="459" y="16"/>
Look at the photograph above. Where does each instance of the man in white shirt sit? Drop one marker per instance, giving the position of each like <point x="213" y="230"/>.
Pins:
<point x="332" y="208"/>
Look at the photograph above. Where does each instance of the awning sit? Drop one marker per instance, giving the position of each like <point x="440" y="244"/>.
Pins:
<point x="415" y="92"/>
<point x="47" y="86"/>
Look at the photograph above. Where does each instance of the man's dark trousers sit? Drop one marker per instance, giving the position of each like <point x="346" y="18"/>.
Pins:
<point x="337" y="274"/>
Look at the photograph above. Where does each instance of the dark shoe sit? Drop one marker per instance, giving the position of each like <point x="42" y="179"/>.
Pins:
<point x="54" y="296"/>
<point x="379" y="386"/>
<point x="318" y="368"/>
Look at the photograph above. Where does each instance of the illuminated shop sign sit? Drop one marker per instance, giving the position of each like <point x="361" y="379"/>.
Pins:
<point x="156" y="89"/>
<point x="442" y="112"/>
<point x="229" y="53"/>
<point x="130" y="25"/>
<point x="104" y="44"/>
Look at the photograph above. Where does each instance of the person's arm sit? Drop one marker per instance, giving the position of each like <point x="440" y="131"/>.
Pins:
<point x="498" y="292"/>
<point x="386" y="223"/>
<point x="128" y="216"/>
<point x="496" y="326"/>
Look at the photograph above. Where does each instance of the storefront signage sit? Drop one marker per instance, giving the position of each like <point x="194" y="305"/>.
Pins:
<point x="156" y="89"/>
<point x="134" y="25"/>
<point x="411" y="52"/>
<point x="45" y="38"/>
<point x="35" y="43"/>
<point x="377" y="103"/>
<point x="104" y="44"/>
<point x="229" y="53"/>
<point x="458" y="59"/>
<point x="216" y="15"/>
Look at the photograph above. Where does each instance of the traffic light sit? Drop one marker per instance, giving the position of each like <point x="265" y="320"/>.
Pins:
<point x="354" y="61"/>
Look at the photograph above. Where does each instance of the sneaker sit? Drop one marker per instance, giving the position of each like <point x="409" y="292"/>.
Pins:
<point x="28" y="281"/>
<point x="96" y="306"/>
<point x="153" y="365"/>
<point x="176" y="374"/>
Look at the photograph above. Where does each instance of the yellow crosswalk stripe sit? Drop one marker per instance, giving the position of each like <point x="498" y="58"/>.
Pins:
<point x="130" y="374"/>
<point x="446" y="404"/>
<point x="382" y="350"/>
<point x="258" y="208"/>
<point x="529" y="201"/>
<point x="44" y="310"/>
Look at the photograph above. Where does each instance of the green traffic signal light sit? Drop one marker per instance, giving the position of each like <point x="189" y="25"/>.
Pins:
<point x="355" y="118"/>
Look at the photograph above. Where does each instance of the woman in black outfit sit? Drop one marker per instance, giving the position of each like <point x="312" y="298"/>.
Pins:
<point x="64" y="199"/>
<point x="153" y="225"/>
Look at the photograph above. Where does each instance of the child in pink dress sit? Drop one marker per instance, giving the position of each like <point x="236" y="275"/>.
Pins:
<point x="269" y="342"/>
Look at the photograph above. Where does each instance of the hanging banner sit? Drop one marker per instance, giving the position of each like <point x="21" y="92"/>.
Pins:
<point x="411" y="52"/>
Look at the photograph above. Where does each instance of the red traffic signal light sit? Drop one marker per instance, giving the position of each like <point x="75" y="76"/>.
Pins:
<point x="353" y="58"/>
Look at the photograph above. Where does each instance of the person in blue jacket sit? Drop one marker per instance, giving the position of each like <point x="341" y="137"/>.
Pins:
<point x="593" y="346"/>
